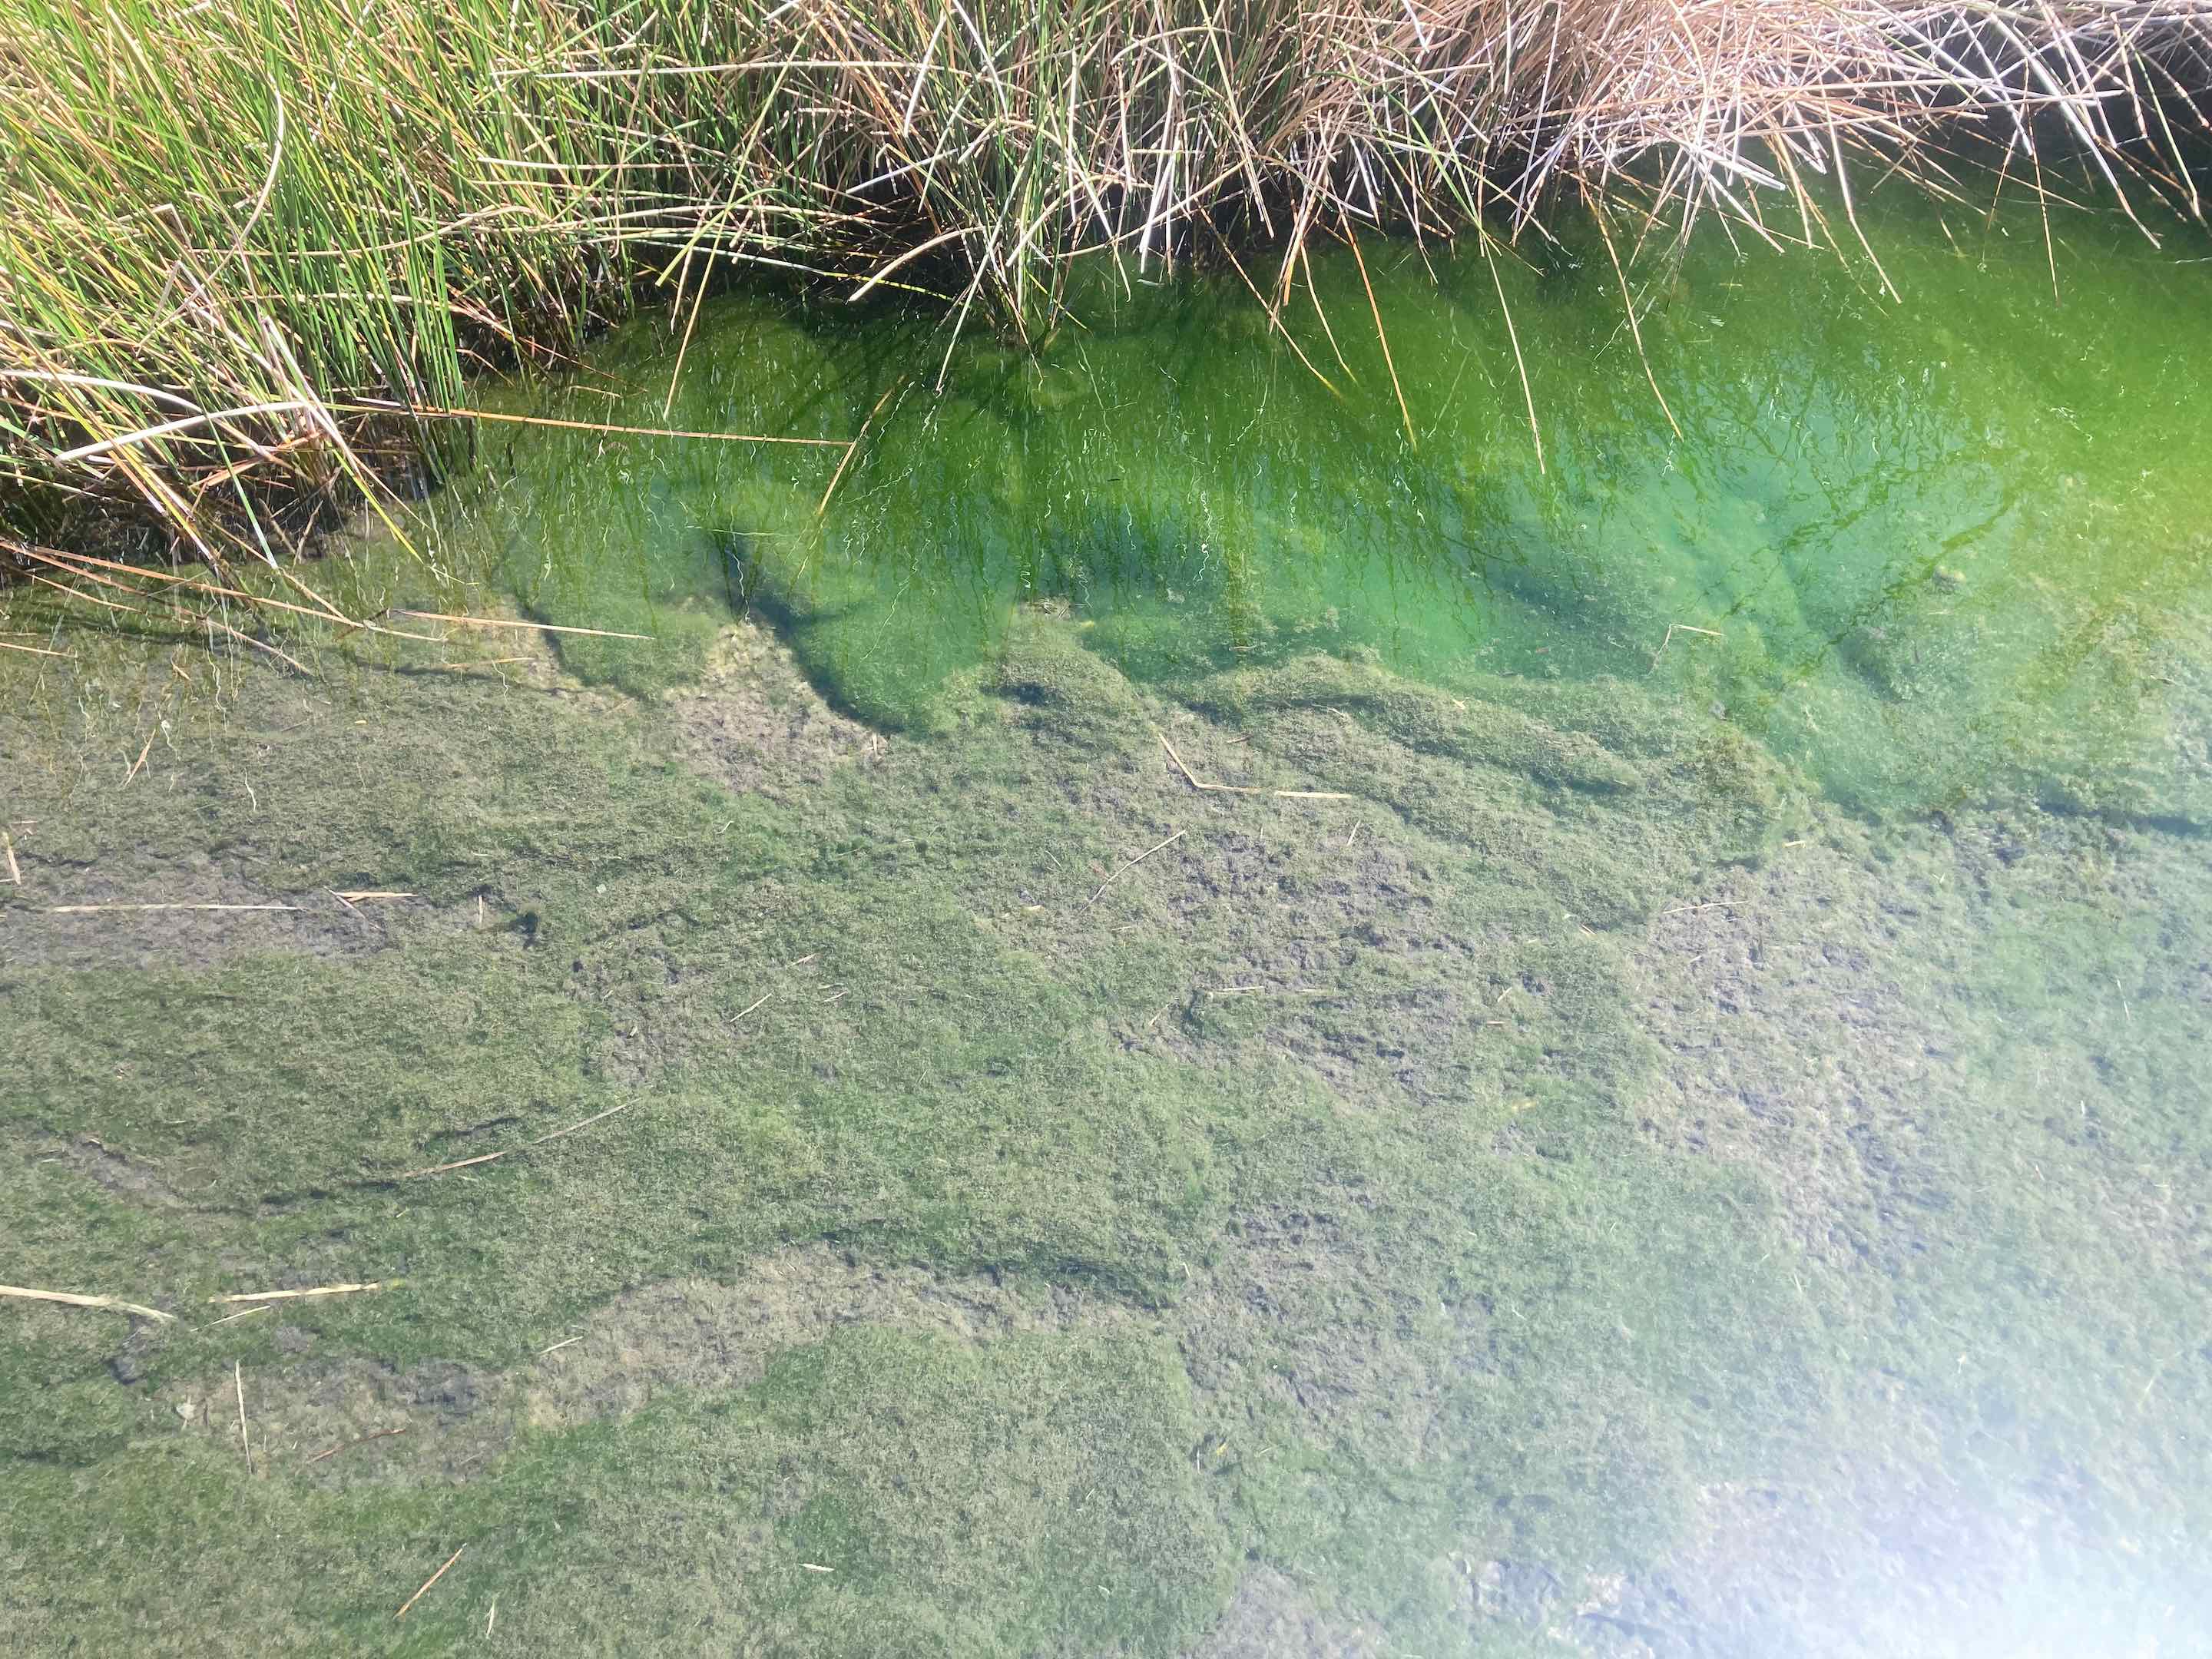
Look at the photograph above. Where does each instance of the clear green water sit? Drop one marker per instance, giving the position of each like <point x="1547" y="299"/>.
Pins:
<point x="1927" y="547"/>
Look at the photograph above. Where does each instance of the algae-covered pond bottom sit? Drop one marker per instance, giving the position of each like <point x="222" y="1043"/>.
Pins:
<point x="1190" y="1027"/>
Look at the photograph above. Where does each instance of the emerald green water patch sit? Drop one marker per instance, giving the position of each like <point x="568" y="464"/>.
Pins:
<point x="1928" y="545"/>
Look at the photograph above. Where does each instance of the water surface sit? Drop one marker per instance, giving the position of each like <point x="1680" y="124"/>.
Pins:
<point x="1663" y="1112"/>
<point x="1927" y="527"/>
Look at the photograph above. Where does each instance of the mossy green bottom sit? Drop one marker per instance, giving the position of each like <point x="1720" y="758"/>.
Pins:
<point x="1512" y="1171"/>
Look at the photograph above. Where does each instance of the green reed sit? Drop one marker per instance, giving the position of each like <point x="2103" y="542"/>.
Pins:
<point x="244" y="246"/>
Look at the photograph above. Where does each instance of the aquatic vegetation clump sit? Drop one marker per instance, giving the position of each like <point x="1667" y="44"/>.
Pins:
<point x="258" y="244"/>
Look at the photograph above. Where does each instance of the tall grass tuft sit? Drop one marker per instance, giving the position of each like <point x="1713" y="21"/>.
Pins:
<point x="248" y="247"/>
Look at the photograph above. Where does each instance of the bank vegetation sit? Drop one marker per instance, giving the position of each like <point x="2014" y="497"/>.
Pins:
<point x="252" y="250"/>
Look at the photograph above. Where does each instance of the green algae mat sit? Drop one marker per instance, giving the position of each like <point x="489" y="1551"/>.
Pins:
<point x="1204" y="1015"/>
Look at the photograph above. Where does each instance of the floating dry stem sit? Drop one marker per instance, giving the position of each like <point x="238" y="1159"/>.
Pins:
<point x="420" y="412"/>
<point x="502" y="622"/>
<point x="320" y="1289"/>
<point x="96" y="910"/>
<point x="245" y="1446"/>
<point x="1673" y="628"/>
<point x="427" y="1583"/>
<point x="492" y="1157"/>
<point x="347" y="1446"/>
<point x="1245" y="789"/>
<point x="69" y="1299"/>
<point x="1132" y="864"/>
<point x="853" y="448"/>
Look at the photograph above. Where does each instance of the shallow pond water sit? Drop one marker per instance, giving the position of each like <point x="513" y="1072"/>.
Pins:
<point x="1923" y="528"/>
<point x="1183" y="1024"/>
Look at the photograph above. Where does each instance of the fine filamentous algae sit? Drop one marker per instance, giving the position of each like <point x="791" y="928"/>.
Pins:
<point x="1911" y="524"/>
<point x="1408" y="978"/>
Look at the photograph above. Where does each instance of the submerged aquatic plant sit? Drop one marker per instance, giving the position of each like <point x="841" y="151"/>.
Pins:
<point x="250" y="252"/>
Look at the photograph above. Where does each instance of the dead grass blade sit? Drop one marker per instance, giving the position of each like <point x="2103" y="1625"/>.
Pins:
<point x="1243" y="788"/>
<point x="1513" y="334"/>
<point x="421" y="413"/>
<point x="427" y="1583"/>
<point x="244" y="1445"/>
<point x="347" y="1446"/>
<point x="501" y="621"/>
<point x="492" y="1157"/>
<point x="320" y="1289"/>
<point x="69" y="1299"/>
<point x="1132" y="864"/>
<point x="97" y="909"/>
<point x="853" y="448"/>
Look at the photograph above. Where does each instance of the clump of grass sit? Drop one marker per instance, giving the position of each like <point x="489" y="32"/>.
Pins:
<point x="242" y="246"/>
